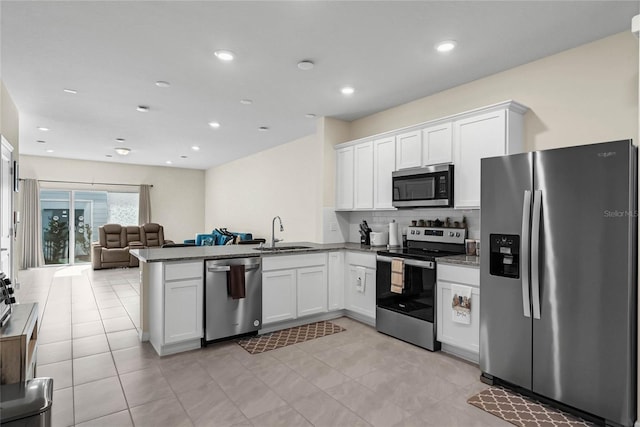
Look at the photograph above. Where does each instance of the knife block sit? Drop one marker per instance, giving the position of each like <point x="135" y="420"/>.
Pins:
<point x="366" y="239"/>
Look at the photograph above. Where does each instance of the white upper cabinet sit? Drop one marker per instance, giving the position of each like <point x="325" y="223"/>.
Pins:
<point x="364" y="167"/>
<point x="384" y="164"/>
<point x="409" y="150"/>
<point x="363" y="184"/>
<point x="486" y="134"/>
<point x="344" y="178"/>
<point x="436" y="144"/>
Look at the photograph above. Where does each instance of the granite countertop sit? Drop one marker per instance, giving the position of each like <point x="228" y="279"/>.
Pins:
<point x="467" y="261"/>
<point x="241" y="251"/>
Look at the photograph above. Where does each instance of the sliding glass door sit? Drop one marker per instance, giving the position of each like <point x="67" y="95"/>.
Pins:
<point x="67" y="233"/>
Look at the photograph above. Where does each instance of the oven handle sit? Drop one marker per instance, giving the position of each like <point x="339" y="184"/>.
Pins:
<point x="412" y="262"/>
<point x="228" y="268"/>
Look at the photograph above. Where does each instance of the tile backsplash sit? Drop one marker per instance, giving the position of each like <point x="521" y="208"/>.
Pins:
<point x="379" y="220"/>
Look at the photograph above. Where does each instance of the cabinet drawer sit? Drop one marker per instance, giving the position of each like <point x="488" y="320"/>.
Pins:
<point x="183" y="270"/>
<point x="459" y="274"/>
<point x="281" y="262"/>
<point x="362" y="259"/>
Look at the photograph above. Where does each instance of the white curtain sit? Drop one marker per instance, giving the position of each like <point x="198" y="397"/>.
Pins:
<point x="144" y="204"/>
<point x="31" y="225"/>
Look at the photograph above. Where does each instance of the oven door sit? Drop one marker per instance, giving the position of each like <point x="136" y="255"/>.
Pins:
<point x="418" y="298"/>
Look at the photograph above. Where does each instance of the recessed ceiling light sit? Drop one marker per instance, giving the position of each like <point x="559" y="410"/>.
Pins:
<point x="43" y="129"/>
<point x="446" y="46"/>
<point x="49" y="151"/>
<point x="40" y="141"/>
<point x="169" y="162"/>
<point x="306" y="65"/>
<point x="143" y="108"/>
<point x="120" y="139"/>
<point x="263" y="128"/>
<point x="195" y="148"/>
<point x="71" y="91"/>
<point x="246" y="101"/>
<point x="214" y="125"/>
<point x="162" y="83"/>
<point x="310" y="116"/>
<point x="224" y="55"/>
<point x="347" y="90"/>
<point x="122" y="151"/>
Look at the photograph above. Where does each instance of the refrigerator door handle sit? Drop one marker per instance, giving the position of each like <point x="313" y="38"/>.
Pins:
<point x="535" y="253"/>
<point x="526" y="218"/>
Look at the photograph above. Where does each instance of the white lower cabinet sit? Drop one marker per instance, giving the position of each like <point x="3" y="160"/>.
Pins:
<point x="336" y="280"/>
<point x="176" y="299"/>
<point x="360" y="284"/>
<point x="278" y="296"/>
<point x="183" y="310"/>
<point x="311" y="290"/>
<point x="459" y="338"/>
<point x="293" y="286"/>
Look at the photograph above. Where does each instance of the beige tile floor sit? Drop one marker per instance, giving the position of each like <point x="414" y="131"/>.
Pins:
<point x="103" y="376"/>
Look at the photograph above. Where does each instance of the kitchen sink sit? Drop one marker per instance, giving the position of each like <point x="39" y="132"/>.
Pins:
<point x="281" y="248"/>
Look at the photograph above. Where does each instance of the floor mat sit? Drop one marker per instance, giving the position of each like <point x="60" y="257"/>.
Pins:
<point x="285" y="337"/>
<point x="522" y="411"/>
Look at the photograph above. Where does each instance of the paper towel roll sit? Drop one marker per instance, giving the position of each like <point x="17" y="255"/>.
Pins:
<point x="394" y="240"/>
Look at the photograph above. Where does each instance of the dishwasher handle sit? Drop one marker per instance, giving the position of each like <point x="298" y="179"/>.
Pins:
<point x="228" y="268"/>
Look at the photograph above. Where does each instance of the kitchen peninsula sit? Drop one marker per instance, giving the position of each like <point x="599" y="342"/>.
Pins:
<point x="172" y="287"/>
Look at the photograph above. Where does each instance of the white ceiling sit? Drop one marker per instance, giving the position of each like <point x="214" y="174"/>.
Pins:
<point x="112" y="53"/>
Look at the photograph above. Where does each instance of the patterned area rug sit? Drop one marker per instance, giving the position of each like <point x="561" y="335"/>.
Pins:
<point x="521" y="411"/>
<point x="286" y="337"/>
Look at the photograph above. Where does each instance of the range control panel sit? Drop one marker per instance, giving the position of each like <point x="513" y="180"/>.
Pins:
<point x="437" y="234"/>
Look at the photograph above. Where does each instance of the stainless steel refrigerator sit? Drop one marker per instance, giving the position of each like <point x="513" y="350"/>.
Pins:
<point x="558" y="276"/>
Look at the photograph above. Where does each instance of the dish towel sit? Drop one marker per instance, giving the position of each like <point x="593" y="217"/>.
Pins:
<point x="461" y="304"/>
<point x="397" y="275"/>
<point x="235" y="282"/>
<point x="361" y="279"/>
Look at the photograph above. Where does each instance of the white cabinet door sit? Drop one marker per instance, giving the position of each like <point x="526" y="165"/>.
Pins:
<point x="363" y="185"/>
<point x="464" y="336"/>
<point x="312" y="290"/>
<point x="476" y="137"/>
<point x="278" y="296"/>
<point x="336" y="281"/>
<point x="436" y="144"/>
<point x="408" y="150"/>
<point x="384" y="157"/>
<point x="183" y="310"/>
<point x="360" y="290"/>
<point x="344" y="178"/>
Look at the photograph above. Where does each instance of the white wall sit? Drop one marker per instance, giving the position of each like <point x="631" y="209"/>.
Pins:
<point x="583" y="95"/>
<point x="245" y="195"/>
<point x="176" y="197"/>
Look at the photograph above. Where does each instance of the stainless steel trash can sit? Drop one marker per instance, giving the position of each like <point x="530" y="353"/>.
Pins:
<point x="27" y="404"/>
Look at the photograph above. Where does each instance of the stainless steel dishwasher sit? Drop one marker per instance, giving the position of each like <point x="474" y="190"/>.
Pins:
<point x="227" y="317"/>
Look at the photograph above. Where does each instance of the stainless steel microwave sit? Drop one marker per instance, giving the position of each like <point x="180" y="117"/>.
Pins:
<point x="430" y="186"/>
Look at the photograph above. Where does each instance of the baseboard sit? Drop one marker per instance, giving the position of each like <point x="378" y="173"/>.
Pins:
<point x="301" y="321"/>
<point x="467" y="355"/>
<point x="367" y="320"/>
<point x="144" y="336"/>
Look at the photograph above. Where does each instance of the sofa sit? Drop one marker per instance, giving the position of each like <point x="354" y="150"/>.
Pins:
<point x="115" y="241"/>
<point x="222" y="237"/>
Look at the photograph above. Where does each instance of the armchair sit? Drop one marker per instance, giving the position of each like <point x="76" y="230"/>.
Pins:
<point x="112" y="248"/>
<point x="152" y="235"/>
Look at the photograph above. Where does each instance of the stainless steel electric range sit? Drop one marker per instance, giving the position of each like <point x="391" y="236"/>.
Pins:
<point x="411" y="315"/>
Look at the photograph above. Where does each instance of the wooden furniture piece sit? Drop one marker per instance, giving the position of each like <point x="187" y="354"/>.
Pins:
<point x="18" y="344"/>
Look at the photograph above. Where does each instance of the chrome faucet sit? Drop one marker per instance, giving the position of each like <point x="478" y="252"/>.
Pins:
<point x="273" y="234"/>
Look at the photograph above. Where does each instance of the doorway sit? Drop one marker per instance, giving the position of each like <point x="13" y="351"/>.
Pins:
<point x="6" y="208"/>
<point x="71" y="221"/>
